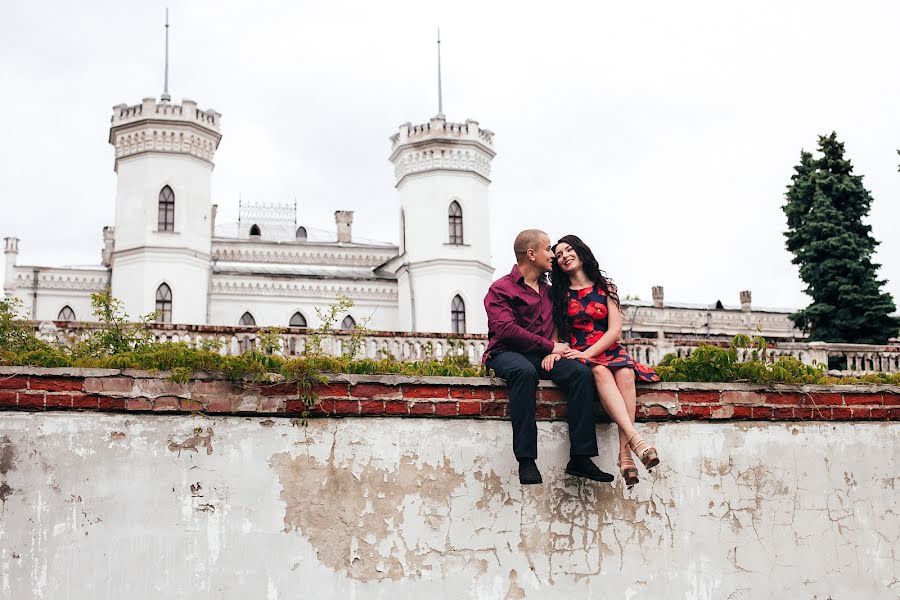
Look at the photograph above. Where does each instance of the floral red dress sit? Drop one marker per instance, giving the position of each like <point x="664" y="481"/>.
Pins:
<point x="588" y="320"/>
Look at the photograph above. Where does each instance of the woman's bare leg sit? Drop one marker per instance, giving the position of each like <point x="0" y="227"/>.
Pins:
<point x="613" y="401"/>
<point x="625" y="383"/>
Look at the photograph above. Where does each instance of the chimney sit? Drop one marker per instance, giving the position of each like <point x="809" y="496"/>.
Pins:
<point x="109" y="245"/>
<point x="745" y="301"/>
<point x="658" y="296"/>
<point x="11" y="250"/>
<point x="344" y="221"/>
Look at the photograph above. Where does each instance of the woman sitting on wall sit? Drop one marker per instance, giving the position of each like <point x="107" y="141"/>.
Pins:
<point x="588" y="317"/>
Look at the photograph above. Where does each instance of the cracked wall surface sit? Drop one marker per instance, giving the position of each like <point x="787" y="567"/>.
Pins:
<point x="148" y="506"/>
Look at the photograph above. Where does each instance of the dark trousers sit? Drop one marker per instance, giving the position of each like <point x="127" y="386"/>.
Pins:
<point x="521" y="372"/>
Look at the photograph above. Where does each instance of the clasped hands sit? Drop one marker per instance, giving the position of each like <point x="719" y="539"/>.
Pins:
<point x="560" y="351"/>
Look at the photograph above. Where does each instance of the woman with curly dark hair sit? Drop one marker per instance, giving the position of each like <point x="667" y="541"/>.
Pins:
<point x="588" y="317"/>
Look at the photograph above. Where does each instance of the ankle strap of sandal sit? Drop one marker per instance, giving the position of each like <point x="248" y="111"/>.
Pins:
<point x="625" y="458"/>
<point x="639" y="443"/>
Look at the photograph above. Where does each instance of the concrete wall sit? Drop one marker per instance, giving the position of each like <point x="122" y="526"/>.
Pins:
<point x="144" y="504"/>
<point x="118" y="506"/>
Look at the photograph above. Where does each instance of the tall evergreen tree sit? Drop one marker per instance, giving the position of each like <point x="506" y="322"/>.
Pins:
<point x="826" y="205"/>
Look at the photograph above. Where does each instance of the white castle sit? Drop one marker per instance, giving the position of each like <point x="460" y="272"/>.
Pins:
<point x="166" y="253"/>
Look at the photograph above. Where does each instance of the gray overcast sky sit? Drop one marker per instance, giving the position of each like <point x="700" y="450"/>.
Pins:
<point x="663" y="133"/>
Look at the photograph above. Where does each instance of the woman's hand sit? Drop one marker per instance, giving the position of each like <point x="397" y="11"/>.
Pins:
<point x="549" y="361"/>
<point x="574" y="354"/>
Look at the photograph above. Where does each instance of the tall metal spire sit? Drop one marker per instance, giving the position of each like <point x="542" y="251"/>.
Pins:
<point x="165" y="95"/>
<point x="440" y="92"/>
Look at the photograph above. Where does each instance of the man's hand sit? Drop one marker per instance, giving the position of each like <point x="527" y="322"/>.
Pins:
<point x="559" y="348"/>
<point x="574" y="354"/>
<point x="549" y="361"/>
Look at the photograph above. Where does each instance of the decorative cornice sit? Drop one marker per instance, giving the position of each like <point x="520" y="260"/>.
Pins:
<point x="171" y="139"/>
<point x="310" y="289"/>
<point x="94" y="281"/>
<point x="427" y="160"/>
<point x="305" y="254"/>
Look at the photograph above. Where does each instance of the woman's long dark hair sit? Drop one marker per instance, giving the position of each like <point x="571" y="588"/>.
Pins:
<point x="559" y="291"/>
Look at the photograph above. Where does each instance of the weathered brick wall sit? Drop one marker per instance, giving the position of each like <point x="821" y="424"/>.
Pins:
<point x="36" y="389"/>
<point x="201" y="491"/>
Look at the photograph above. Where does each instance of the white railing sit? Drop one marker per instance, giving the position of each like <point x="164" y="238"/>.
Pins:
<point x="845" y="359"/>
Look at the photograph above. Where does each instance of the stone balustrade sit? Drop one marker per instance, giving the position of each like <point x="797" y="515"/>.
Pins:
<point x="843" y="359"/>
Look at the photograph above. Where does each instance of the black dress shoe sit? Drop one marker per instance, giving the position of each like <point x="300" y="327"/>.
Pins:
<point x="528" y="472"/>
<point x="583" y="466"/>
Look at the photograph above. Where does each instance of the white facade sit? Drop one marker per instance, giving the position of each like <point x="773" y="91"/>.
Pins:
<point x="268" y="266"/>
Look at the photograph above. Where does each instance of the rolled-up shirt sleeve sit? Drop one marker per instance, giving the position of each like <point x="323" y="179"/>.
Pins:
<point x="502" y="322"/>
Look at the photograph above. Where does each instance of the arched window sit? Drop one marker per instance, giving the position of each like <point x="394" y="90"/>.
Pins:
<point x="301" y="234"/>
<point x="298" y="320"/>
<point x="66" y="314"/>
<point x="348" y="323"/>
<point x="248" y="320"/>
<point x="164" y="304"/>
<point x="457" y="315"/>
<point x="254" y="231"/>
<point x="455" y="219"/>
<point x="166" y="209"/>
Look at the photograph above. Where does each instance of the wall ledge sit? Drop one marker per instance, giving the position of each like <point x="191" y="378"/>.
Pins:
<point x="128" y="390"/>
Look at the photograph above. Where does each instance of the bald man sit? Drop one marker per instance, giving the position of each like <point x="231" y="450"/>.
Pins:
<point x="520" y="335"/>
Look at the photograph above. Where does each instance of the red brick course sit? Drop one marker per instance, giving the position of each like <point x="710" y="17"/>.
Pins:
<point x="31" y="401"/>
<point x="395" y="396"/>
<point x="53" y="384"/>
<point x="377" y="391"/>
<point x="8" y="399"/>
<point x="13" y="383"/>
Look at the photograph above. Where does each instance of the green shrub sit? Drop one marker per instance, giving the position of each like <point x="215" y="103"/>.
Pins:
<point x="119" y="344"/>
<point x="714" y="364"/>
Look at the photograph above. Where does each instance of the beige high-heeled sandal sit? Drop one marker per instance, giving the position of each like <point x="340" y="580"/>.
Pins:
<point x="628" y="469"/>
<point x="644" y="451"/>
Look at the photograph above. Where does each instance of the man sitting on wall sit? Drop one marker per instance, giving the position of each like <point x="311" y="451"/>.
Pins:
<point x="520" y="335"/>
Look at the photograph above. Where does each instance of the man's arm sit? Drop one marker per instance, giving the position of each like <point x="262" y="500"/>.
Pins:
<point x="502" y="322"/>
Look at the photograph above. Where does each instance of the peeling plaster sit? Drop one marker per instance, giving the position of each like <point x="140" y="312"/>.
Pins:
<point x="192" y="442"/>
<point x="407" y="508"/>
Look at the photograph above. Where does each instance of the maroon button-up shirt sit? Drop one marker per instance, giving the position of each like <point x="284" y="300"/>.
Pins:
<point x="519" y="319"/>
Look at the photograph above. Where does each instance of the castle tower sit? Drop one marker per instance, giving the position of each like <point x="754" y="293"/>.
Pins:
<point x="162" y="234"/>
<point x="443" y="173"/>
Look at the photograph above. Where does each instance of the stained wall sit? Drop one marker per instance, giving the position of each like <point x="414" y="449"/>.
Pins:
<point x="143" y="505"/>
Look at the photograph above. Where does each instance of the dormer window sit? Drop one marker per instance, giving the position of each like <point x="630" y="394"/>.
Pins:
<point x="301" y="234"/>
<point x="66" y="314"/>
<point x="254" y="231"/>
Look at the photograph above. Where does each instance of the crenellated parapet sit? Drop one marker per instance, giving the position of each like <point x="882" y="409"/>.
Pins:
<point x="163" y="127"/>
<point x="440" y="145"/>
